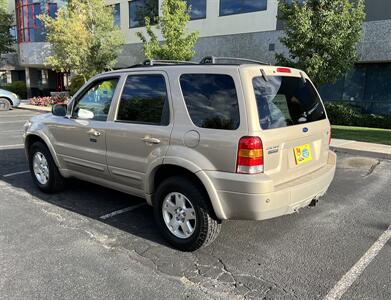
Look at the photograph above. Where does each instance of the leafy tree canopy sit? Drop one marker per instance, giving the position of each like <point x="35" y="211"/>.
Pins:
<point x="6" y="23"/>
<point x="321" y="36"/>
<point x="177" y="44"/>
<point x="84" y="38"/>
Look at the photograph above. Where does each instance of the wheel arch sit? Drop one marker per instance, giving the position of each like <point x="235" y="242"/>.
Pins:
<point x="9" y="100"/>
<point x="33" y="138"/>
<point x="163" y="171"/>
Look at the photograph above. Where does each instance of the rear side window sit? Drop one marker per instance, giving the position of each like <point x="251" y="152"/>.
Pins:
<point x="286" y="101"/>
<point x="144" y="100"/>
<point x="211" y="100"/>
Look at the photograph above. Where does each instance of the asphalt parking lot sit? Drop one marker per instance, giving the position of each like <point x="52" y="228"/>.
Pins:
<point x="92" y="242"/>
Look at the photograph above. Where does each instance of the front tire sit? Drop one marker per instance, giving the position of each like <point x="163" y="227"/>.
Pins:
<point x="184" y="215"/>
<point x="43" y="169"/>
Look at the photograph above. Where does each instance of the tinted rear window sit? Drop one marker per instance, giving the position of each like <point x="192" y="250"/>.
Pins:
<point x="286" y="101"/>
<point x="211" y="100"/>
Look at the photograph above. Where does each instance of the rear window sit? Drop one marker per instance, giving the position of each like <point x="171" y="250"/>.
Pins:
<point x="286" y="101"/>
<point x="211" y="100"/>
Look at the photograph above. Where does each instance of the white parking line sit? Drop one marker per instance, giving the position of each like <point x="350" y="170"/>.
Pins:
<point x="13" y="122"/>
<point x="350" y="277"/>
<point x="17" y="146"/>
<point x="10" y="131"/>
<point x="16" y="173"/>
<point x="121" y="211"/>
<point x="11" y="116"/>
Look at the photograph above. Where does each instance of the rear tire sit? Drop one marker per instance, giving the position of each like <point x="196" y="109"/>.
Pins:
<point x="184" y="215"/>
<point x="5" y="104"/>
<point x="44" y="170"/>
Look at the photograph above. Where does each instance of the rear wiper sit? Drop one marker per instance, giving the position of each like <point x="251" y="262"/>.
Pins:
<point x="311" y="111"/>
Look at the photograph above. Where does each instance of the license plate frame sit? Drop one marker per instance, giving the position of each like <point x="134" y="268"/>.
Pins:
<point x="303" y="154"/>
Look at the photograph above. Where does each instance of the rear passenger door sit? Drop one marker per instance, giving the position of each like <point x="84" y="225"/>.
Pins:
<point x="140" y="133"/>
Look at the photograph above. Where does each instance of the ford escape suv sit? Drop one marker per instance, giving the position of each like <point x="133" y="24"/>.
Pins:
<point x="201" y="142"/>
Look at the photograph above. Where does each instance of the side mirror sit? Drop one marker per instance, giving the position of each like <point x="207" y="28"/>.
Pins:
<point x="59" y="110"/>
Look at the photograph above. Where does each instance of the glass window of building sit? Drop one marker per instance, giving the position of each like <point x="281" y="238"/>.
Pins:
<point x="139" y="9"/>
<point x="197" y="9"/>
<point x="29" y="27"/>
<point x="117" y="14"/>
<point x="231" y="7"/>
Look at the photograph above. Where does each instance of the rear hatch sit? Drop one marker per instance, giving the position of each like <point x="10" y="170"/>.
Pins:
<point x="286" y="112"/>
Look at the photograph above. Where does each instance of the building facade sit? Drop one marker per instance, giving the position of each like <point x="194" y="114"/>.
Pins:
<point x="28" y="62"/>
<point x="247" y="28"/>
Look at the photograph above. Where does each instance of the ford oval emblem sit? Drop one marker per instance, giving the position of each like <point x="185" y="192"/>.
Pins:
<point x="305" y="129"/>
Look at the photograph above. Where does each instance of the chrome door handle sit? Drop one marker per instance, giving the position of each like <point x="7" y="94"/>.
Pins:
<point x="94" y="132"/>
<point x="150" y="140"/>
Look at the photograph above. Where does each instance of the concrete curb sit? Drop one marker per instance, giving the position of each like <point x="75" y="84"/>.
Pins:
<point x="360" y="148"/>
<point x="35" y="108"/>
<point x="371" y="154"/>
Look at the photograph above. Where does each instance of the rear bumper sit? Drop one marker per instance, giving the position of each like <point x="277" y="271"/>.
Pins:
<point x="257" y="198"/>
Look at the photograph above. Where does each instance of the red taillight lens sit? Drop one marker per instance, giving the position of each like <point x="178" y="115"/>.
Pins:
<point x="284" y="70"/>
<point x="250" y="155"/>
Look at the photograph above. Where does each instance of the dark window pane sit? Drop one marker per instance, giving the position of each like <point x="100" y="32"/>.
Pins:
<point x="139" y="9"/>
<point x="95" y="102"/>
<point x="230" y="7"/>
<point x="52" y="10"/>
<point x="211" y="100"/>
<point x="286" y="101"/>
<point x="378" y="87"/>
<point x="144" y="100"/>
<point x="197" y="9"/>
<point x="117" y="14"/>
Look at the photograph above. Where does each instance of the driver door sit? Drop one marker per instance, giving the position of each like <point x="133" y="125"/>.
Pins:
<point x="80" y="140"/>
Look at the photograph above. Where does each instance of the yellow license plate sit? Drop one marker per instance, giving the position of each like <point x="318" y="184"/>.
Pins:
<point x="303" y="154"/>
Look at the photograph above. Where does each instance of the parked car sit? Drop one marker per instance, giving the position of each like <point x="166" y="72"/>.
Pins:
<point x="8" y="100"/>
<point x="201" y="143"/>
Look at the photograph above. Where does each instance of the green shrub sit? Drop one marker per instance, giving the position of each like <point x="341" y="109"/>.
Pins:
<point x="346" y="115"/>
<point x="76" y="83"/>
<point x="17" y="87"/>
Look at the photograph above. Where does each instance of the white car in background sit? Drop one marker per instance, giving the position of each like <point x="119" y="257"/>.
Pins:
<point x="8" y="100"/>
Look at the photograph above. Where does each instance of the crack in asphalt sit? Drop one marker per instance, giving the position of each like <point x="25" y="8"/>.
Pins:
<point x="372" y="169"/>
<point x="214" y="279"/>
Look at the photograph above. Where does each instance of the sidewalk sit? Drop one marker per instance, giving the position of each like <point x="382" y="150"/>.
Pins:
<point x="34" y="107"/>
<point x="361" y="148"/>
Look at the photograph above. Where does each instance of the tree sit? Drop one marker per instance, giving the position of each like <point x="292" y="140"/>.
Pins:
<point x="321" y="36"/>
<point x="83" y="38"/>
<point x="6" y="23"/>
<point x="177" y="44"/>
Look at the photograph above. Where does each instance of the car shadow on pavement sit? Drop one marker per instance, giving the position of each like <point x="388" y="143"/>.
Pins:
<point x="84" y="198"/>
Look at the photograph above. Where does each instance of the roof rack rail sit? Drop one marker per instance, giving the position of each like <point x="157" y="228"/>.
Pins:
<point x="154" y="62"/>
<point x="212" y="60"/>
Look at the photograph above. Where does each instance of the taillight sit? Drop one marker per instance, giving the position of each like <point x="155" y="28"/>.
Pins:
<point x="250" y="155"/>
<point x="284" y="70"/>
<point x="330" y="136"/>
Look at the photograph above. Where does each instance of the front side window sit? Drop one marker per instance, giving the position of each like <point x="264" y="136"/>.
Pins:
<point x="95" y="102"/>
<point x="231" y="7"/>
<point x="144" y="100"/>
<point x="197" y="9"/>
<point x="211" y="100"/>
<point x="286" y="101"/>
<point x="139" y="9"/>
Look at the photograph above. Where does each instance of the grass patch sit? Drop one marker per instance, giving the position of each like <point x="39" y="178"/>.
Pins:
<point x="362" y="134"/>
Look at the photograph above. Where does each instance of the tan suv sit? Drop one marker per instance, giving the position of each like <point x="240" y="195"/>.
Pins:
<point x="201" y="143"/>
